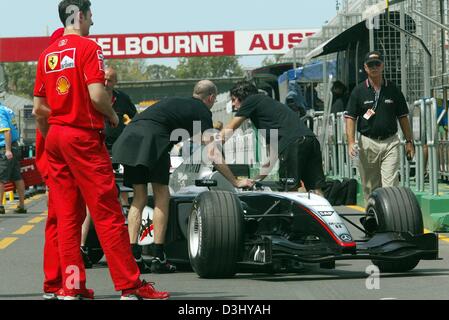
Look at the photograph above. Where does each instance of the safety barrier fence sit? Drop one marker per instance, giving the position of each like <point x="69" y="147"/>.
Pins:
<point x="425" y="135"/>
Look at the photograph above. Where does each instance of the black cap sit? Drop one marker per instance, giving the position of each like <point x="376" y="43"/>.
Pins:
<point x="373" y="56"/>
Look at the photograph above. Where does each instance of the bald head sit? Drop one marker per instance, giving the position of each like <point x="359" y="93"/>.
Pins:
<point x="110" y="77"/>
<point x="204" y="89"/>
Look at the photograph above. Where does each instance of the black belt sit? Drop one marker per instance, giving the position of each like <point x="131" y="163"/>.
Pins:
<point x="373" y="137"/>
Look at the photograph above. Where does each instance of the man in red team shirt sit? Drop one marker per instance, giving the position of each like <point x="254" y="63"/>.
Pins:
<point x="70" y="83"/>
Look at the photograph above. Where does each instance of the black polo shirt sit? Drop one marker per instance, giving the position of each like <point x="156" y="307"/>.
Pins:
<point x="122" y="105"/>
<point x="391" y="106"/>
<point x="267" y="113"/>
<point x="148" y="138"/>
<point x="178" y="113"/>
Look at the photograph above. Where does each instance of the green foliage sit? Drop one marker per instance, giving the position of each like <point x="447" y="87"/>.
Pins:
<point x="20" y="78"/>
<point x="208" y="67"/>
<point x="129" y="70"/>
<point x="160" y="72"/>
<point x="270" y="60"/>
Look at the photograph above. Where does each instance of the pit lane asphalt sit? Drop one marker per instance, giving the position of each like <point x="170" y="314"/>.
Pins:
<point x="21" y="274"/>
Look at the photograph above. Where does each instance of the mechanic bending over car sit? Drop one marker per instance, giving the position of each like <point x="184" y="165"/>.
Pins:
<point x="298" y="148"/>
<point x="143" y="149"/>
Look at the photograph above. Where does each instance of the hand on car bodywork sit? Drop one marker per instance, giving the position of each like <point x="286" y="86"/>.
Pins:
<point x="244" y="183"/>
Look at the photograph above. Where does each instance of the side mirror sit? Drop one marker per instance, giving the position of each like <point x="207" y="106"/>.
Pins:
<point x="288" y="181"/>
<point x="206" y="183"/>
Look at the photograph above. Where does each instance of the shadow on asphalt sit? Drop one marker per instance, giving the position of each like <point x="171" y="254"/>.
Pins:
<point x="320" y="275"/>
<point x="20" y="296"/>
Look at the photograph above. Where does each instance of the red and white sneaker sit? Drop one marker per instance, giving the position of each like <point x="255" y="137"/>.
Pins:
<point x="52" y="295"/>
<point x="145" y="292"/>
<point x="86" y="294"/>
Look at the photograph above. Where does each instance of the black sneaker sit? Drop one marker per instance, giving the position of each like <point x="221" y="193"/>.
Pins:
<point x="162" y="266"/>
<point x="2" y="210"/>
<point x="143" y="267"/>
<point x="85" y="254"/>
<point x="21" y="210"/>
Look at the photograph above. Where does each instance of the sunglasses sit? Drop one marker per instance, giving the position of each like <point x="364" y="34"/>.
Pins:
<point x="373" y="64"/>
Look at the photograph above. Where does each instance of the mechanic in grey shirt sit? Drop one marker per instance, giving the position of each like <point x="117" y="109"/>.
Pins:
<point x="299" y="151"/>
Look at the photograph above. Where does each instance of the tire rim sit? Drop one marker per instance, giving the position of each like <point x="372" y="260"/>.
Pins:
<point x="195" y="233"/>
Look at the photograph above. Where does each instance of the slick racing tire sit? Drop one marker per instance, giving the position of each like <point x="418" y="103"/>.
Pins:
<point x="94" y="252"/>
<point x="215" y="234"/>
<point x="396" y="209"/>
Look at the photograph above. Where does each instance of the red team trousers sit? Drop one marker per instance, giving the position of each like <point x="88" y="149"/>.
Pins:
<point x="80" y="173"/>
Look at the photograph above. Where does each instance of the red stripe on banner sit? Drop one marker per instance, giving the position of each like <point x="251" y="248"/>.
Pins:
<point x="132" y="46"/>
<point x="22" y="49"/>
<point x="167" y="45"/>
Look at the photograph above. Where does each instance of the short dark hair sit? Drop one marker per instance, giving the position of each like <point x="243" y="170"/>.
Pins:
<point x="243" y="90"/>
<point x="338" y="85"/>
<point x="82" y="5"/>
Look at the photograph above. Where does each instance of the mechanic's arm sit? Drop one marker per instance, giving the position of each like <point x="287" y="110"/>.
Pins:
<point x="267" y="167"/>
<point x="350" y="132"/>
<point x="102" y="102"/>
<point x="217" y="159"/>
<point x="407" y="131"/>
<point x="228" y="131"/>
<point x="41" y="112"/>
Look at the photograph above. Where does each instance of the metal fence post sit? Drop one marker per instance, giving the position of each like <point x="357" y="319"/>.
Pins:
<point x="340" y="147"/>
<point x="419" y="135"/>
<point x="432" y="142"/>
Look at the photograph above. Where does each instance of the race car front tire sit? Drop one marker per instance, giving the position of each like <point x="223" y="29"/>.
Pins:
<point x="396" y="209"/>
<point x="215" y="234"/>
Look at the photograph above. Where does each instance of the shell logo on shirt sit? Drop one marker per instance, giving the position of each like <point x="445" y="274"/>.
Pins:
<point x="63" y="86"/>
<point x="58" y="61"/>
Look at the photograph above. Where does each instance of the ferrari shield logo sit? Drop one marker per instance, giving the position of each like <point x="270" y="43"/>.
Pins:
<point x="53" y="61"/>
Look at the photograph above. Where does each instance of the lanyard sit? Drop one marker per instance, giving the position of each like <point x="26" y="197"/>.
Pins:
<point x="377" y="95"/>
<point x="377" y="99"/>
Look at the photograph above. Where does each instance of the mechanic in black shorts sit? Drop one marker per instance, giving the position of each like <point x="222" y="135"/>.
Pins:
<point x="143" y="148"/>
<point x="299" y="151"/>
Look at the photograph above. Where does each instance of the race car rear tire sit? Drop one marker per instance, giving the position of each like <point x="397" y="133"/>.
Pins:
<point x="396" y="209"/>
<point x="215" y="234"/>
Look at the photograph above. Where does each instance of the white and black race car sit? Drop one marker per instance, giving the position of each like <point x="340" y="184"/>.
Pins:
<point x="220" y="230"/>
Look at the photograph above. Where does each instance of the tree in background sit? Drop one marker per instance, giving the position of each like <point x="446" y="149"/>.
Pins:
<point x="129" y="70"/>
<point x="160" y="72"/>
<point x="20" y="78"/>
<point x="270" y="60"/>
<point x="208" y="67"/>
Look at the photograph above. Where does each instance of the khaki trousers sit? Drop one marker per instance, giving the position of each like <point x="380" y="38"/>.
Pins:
<point x="379" y="163"/>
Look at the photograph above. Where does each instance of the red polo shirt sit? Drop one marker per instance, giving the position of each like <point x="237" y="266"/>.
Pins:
<point x="64" y="71"/>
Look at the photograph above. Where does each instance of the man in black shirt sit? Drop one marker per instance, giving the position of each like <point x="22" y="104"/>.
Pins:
<point x="377" y="105"/>
<point x="143" y="149"/>
<point x="122" y="105"/>
<point x="299" y="151"/>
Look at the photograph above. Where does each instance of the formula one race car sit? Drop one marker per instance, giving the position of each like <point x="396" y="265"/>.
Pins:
<point x="220" y="231"/>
